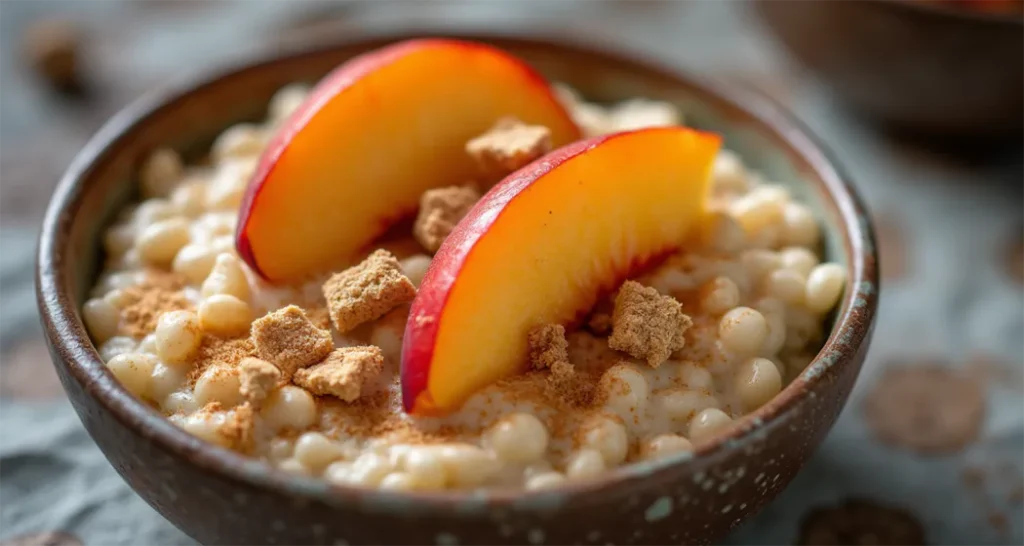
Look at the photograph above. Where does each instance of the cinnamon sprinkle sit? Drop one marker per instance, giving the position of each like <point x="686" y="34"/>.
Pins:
<point x="217" y="350"/>
<point x="159" y="293"/>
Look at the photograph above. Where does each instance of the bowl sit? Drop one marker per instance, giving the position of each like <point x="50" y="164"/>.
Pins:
<point x="918" y="67"/>
<point x="219" y="497"/>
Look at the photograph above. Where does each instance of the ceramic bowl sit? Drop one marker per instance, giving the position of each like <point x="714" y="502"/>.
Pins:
<point x="220" y="497"/>
<point x="918" y="67"/>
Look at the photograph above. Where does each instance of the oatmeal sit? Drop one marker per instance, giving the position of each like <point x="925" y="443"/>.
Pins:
<point x="306" y="375"/>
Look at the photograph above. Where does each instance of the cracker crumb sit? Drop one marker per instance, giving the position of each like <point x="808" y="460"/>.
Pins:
<point x="238" y="427"/>
<point x="367" y="291"/>
<point x="288" y="339"/>
<point x="52" y="48"/>
<point x="258" y="377"/>
<point x="344" y="373"/>
<point x="508" y="146"/>
<point x="600" y="320"/>
<point x="569" y="385"/>
<point x="440" y="210"/>
<point x="646" y="324"/>
<point x="548" y="346"/>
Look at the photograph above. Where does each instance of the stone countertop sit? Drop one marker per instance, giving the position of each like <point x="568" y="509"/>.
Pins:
<point x="936" y="212"/>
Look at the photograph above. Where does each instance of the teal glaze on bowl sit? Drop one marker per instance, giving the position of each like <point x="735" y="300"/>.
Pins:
<point x="220" y="497"/>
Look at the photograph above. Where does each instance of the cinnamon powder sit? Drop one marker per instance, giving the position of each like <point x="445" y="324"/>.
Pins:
<point x="221" y="351"/>
<point x="159" y="293"/>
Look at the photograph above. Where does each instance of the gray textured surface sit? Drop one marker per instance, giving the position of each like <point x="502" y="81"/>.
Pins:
<point x="953" y="301"/>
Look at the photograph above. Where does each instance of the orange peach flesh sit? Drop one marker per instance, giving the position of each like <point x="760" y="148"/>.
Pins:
<point x="373" y="136"/>
<point x="540" y="247"/>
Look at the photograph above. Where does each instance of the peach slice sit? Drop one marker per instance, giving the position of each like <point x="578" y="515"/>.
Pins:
<point x="540" y="247"/>
<point x="373" y="135"/>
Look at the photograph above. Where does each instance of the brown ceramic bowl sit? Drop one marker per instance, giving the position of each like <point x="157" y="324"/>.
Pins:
<point x="917" y="66"/>
<point x="220" y="497"/>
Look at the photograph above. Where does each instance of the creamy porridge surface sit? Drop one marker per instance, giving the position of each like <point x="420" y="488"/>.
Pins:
<point x="174" y="307"/>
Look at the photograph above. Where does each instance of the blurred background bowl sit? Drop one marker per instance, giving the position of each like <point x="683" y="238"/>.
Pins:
<point x="919" y="67"/>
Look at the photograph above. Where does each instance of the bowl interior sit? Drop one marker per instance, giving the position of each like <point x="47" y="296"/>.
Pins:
<point x="188" y="117"/>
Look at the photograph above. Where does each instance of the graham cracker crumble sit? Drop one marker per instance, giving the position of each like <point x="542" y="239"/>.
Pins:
<point x="238" y="428"/>
<point x="257" y="377"/>
<point x="600" y="323"/>
<point x="549" y="349"/>
<point x="440" y="210"/>
<point x="146" y="302"/>
<point x="366" y="291"/>
<point x="508" y="146"/>
<point x="344" y="373"/>
<point x="287" y="339"/>
<point x="646" y="324"/>
<point x="548" y="346"/>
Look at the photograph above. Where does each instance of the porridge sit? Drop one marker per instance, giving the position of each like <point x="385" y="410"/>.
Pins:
<point x="310" y="375"/>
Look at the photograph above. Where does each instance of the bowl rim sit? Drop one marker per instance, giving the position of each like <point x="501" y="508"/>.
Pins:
<point x="72" y="347"/>
<point x="941" y="10"/>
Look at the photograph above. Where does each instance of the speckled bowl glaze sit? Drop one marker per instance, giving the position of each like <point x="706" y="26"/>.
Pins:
<point x="220" y="497"/>
<point x="920" y="67"/>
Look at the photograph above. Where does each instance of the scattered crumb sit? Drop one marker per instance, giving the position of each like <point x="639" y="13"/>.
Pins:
<point x="21" y="376"/>
<point x="289" y="340"/>
<point x="367" y="291"/>
<point x="440" y="210"/>
<point x="926" y="408"/>
<point x="973" y="477"/>
<point x="857" y="521"/>
<point x="1014" y="257"/>
<point x="344" y="373"/>
<point x="998" y="522"/>
<point x="646" y="324"/>
<point x="548" y="346"/>
<point x="51" y="48"/>
<point x="893" y="246"/>
<point x="507" y="147"/>
<point x="258" y="377"/>
<point x="146" y="302"/>
<point x="238" y="427"/>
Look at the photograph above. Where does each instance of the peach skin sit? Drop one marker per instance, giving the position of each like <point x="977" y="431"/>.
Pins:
<point x="540" y="247"/>
<point x="373" y="136"/>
